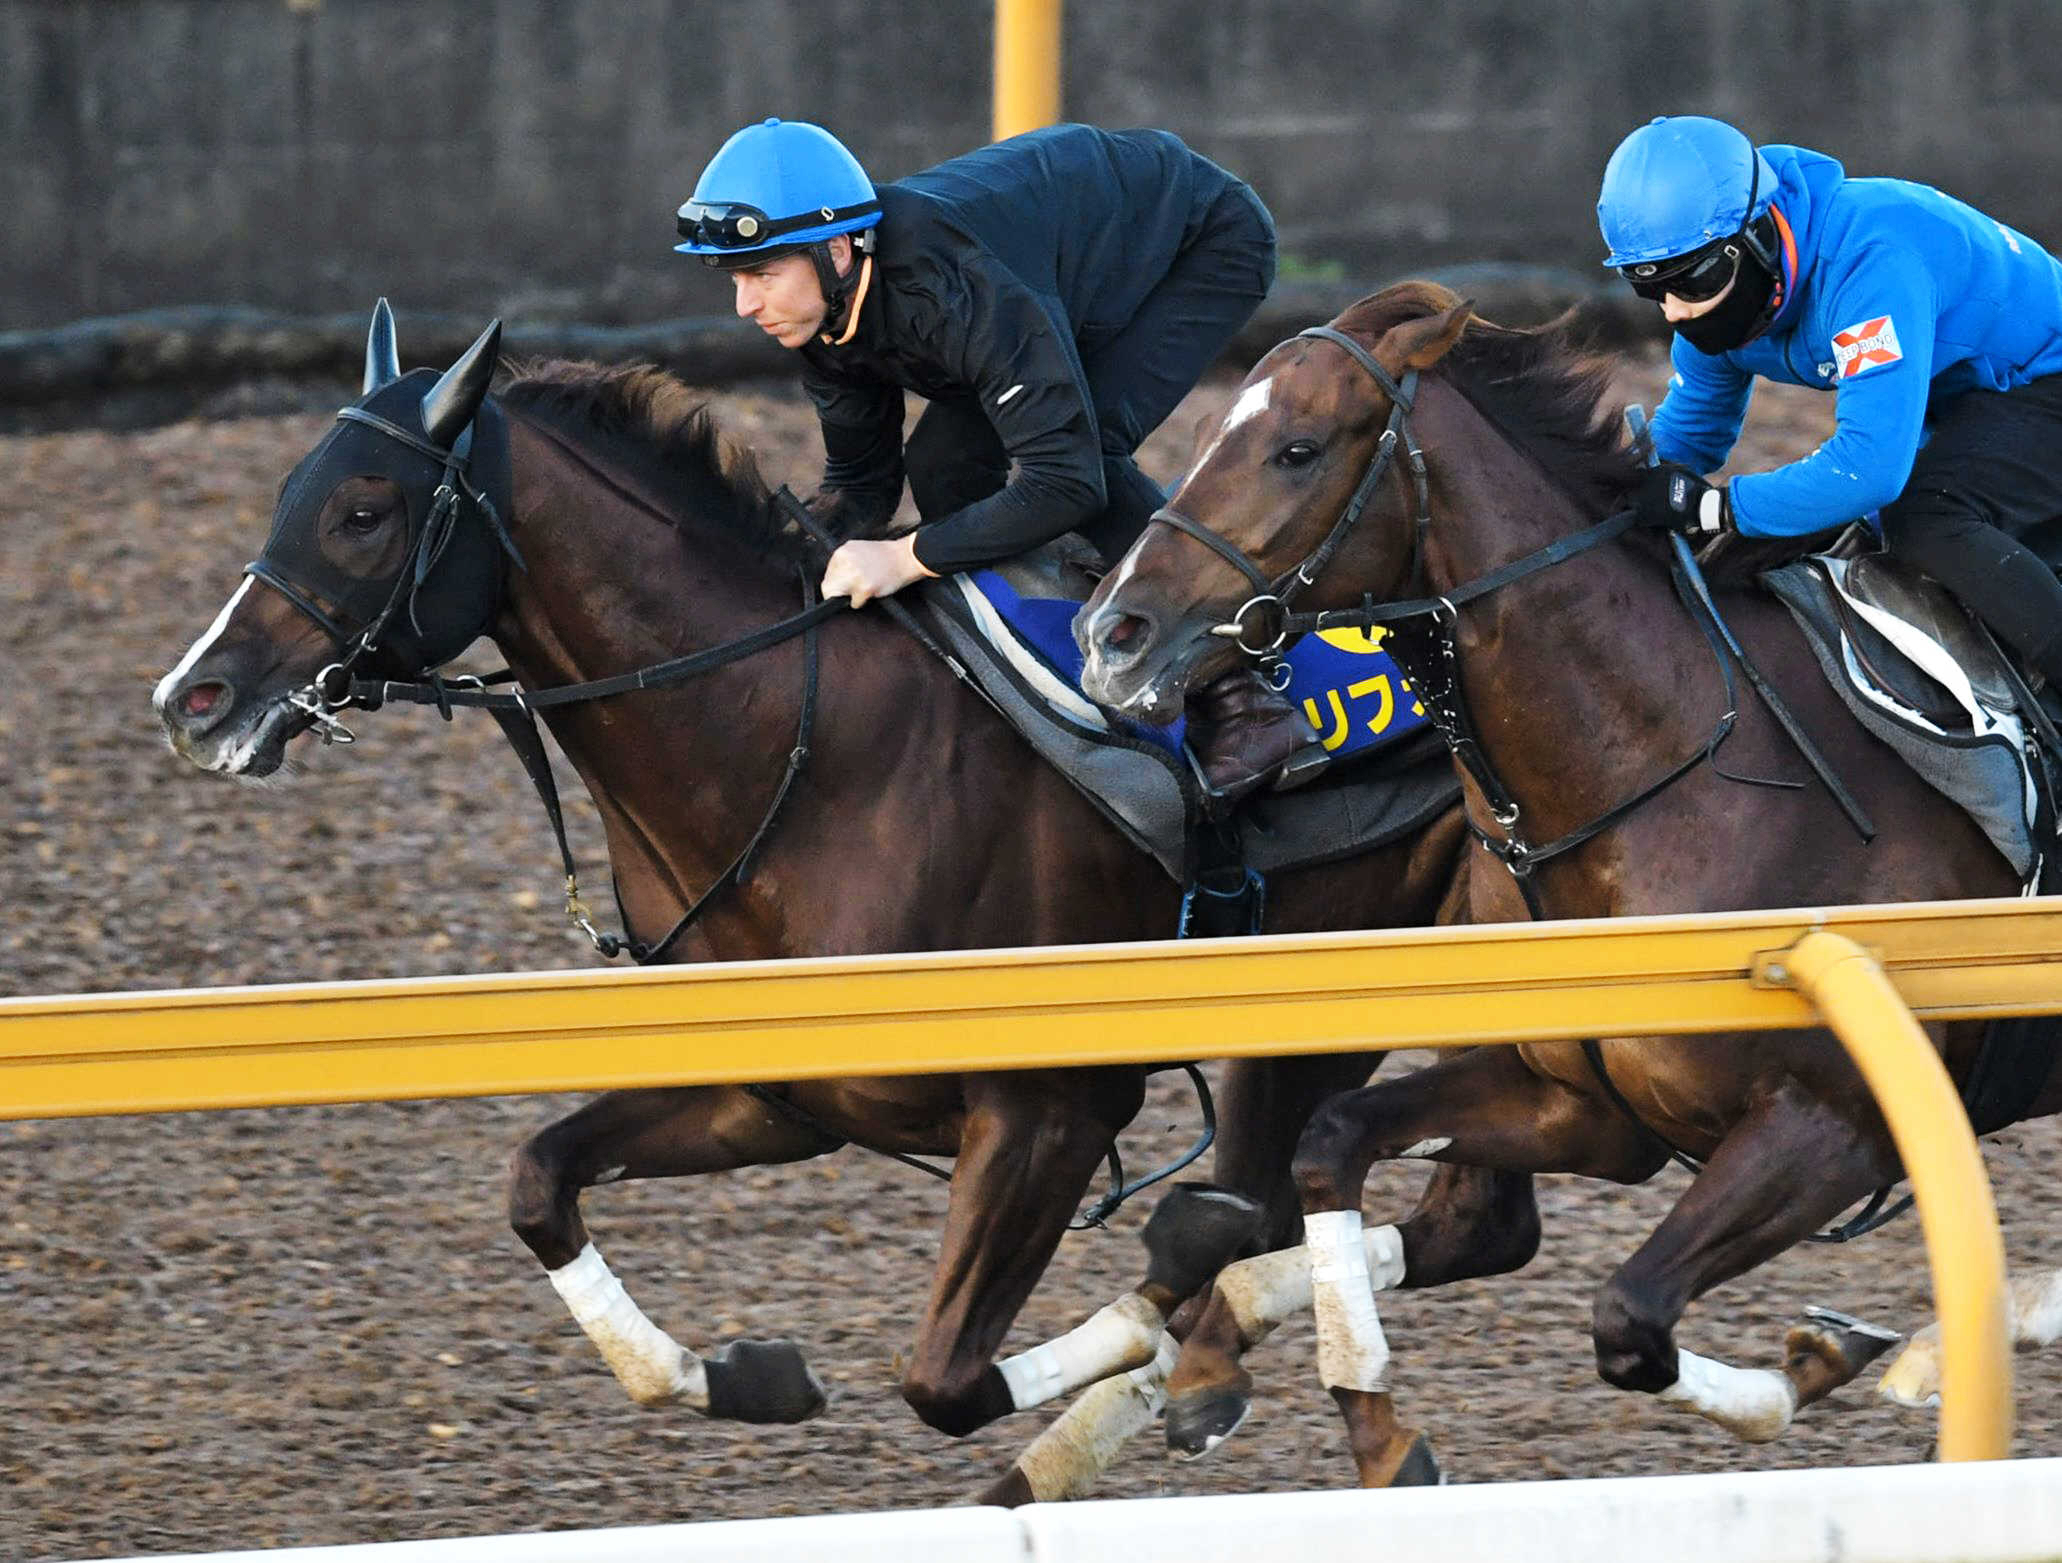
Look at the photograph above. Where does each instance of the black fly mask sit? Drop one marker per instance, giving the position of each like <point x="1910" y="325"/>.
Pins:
<point x="404" y="599"/>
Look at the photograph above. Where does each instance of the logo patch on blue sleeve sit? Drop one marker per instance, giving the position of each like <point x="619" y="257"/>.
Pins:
<point x="1869" y="345"/>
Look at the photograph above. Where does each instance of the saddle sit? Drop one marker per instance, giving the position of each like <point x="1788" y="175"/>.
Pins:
<point x="1010" y="629"/>
<point x="1924" y="676"/>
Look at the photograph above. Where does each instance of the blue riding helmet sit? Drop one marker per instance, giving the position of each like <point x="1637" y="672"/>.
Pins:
<point x="774" y="188"/>
<point x="1677" y="184"/>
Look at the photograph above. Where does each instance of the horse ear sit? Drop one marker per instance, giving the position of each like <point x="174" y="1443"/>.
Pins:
<point x="1421" y="343"/>
<point x="449" y="405"/>
<point x="382" y="356"/>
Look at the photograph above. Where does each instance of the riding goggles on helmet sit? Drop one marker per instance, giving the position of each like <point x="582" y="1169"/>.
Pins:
<point x="733" y="225"/>
<point x="1693" y="278"/>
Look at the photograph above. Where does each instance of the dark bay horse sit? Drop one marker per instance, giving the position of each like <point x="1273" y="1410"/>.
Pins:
<point x="1586" y="683"/>
<point x="635" y="533"/>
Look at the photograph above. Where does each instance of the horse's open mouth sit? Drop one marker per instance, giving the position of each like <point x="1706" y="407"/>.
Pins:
<point x="252" y="747"/>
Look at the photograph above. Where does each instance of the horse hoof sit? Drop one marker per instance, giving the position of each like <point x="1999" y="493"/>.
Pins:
<point x="1844" y="1343"/>
<point x="1913" y="1380"/>
<point x="1197" y="1424"/>
<point x="1417" y="1468"/>
<point x="1195" y="1232"/>
<point x="762" y="1381"/>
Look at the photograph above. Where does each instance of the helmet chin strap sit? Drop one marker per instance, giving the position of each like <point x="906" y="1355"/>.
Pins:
<point x="840" y="293"/>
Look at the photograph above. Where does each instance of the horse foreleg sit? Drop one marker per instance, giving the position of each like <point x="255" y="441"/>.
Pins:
<point x="1789" y="1165"/>
<point x="1193" y="1232"/>
<point x="1484" y="1109"/>
<point x="2034" y="1308"/>
<point x="1026" y="1156"/>
<point x="1469" y="1222"/>
<point x="657" y="1134"/>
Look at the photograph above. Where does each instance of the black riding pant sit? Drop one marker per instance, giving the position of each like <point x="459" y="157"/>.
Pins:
<point x="1135" y="377"/>
<point x="1991" y="473"/>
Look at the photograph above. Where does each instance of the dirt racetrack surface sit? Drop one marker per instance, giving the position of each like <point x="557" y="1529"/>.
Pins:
<point x="314" y="1326"/>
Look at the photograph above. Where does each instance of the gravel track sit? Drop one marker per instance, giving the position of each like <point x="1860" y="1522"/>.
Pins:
<point x="312" y="1325"/>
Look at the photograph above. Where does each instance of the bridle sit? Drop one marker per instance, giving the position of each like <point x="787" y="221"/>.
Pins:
<point x="1271" y="597"/>
<point x="335" y="689"/>
<point x="1422" y="635"/>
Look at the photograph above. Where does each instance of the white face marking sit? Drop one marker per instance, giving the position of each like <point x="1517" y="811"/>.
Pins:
<point x="1251" y="404"/>
<point x="199" y="648"/>
<point x="1431" y="1147"/>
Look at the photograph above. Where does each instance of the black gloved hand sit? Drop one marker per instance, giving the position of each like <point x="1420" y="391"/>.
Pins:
<point x="1672" y="498"/>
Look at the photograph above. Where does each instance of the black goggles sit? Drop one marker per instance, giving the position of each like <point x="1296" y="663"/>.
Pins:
<point x="732" y="225"/>
<point x="1693" y="278"/>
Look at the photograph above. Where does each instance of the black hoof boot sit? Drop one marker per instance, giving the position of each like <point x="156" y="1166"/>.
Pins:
<point x="1194" y="1232"/>
<point x="1197" y="1424"/>
<point x="762" y="1381"/>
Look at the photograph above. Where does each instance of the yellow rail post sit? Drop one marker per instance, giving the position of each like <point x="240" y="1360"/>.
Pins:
<point x="1027" y="65"/>
<point x="1941" y="1159"/>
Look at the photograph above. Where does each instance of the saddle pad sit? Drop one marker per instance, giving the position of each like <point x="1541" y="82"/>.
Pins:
<point x="1351" y="689"/>
<point x="1018" y="649"/>
<point x="1982" y="766"/>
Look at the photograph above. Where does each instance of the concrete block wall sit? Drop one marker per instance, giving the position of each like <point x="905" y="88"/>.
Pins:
<point x="525" y="156"/>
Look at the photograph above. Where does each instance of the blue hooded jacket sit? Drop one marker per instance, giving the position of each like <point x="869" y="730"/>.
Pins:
<point x="1901" y="299"/>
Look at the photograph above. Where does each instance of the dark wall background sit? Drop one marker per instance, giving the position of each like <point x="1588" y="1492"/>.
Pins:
<point x="525" y="156"/>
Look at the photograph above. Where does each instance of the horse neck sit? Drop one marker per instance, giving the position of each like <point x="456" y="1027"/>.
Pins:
<point x="680" y="777"/>
<point x="1585" y="680"/>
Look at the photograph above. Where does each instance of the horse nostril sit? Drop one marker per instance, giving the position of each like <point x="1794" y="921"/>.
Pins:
<point x="1129" y="627"/>
<point x="198" y="703"/>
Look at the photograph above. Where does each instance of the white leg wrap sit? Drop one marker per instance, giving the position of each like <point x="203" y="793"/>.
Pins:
<point x="1752" y="1403"/>
<point x="1351" y="1350"/>
<point x="1124" y="1335"/>
<point x="1064" y="1460"/>
<point x="2036" y="1304"/>
<point x="1270" y="1289"/>
<point x="649" y="1363"/>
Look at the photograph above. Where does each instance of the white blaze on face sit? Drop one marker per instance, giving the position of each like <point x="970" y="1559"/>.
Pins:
<point x="1251" y="404"/>
<point x="199" y="648"/>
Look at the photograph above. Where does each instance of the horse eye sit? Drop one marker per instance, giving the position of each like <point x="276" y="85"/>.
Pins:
<point x="361" y="520"/>
<point x="1297" y="453"/>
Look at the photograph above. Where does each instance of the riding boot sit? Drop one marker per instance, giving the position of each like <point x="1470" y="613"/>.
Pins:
<point x="1247" y="734"/>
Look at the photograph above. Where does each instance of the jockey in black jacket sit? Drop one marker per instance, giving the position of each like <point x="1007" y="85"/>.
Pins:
<point x="1053" y="297"/>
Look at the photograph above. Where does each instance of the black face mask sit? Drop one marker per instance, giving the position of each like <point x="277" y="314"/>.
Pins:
<point x="1741" y="316"/>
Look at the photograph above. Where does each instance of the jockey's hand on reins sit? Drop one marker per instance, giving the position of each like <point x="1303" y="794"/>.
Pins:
<point x="1672" y="498"/>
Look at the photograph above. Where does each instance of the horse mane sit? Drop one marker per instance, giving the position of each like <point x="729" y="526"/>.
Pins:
<point x="652" y="427"/>
<point x="1543" y="387"/>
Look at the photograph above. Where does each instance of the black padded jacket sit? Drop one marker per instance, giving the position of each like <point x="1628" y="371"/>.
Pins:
<point x="992" y="273"/>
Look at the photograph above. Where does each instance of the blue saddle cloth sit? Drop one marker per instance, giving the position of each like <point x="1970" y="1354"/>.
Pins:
<point x="1351" y="689"/>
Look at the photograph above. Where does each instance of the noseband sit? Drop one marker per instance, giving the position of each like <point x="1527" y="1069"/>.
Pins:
<point x="1271" y="598"/>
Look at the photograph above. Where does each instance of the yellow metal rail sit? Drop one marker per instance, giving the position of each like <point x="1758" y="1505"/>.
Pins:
<point x="1027" y="65"/>
<point x="994" y="1009"/>
<point x="1940" y="1157"/>
<point x="1868" y="970"/>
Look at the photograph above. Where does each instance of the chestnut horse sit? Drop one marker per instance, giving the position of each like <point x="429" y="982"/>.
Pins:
<point x="1586" y="682"/>
<point x="624" y="531"/>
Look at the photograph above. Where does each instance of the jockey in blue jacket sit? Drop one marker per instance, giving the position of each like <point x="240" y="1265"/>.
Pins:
<point x="1938" y="328"/>
<point x="1052" y="297"/>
